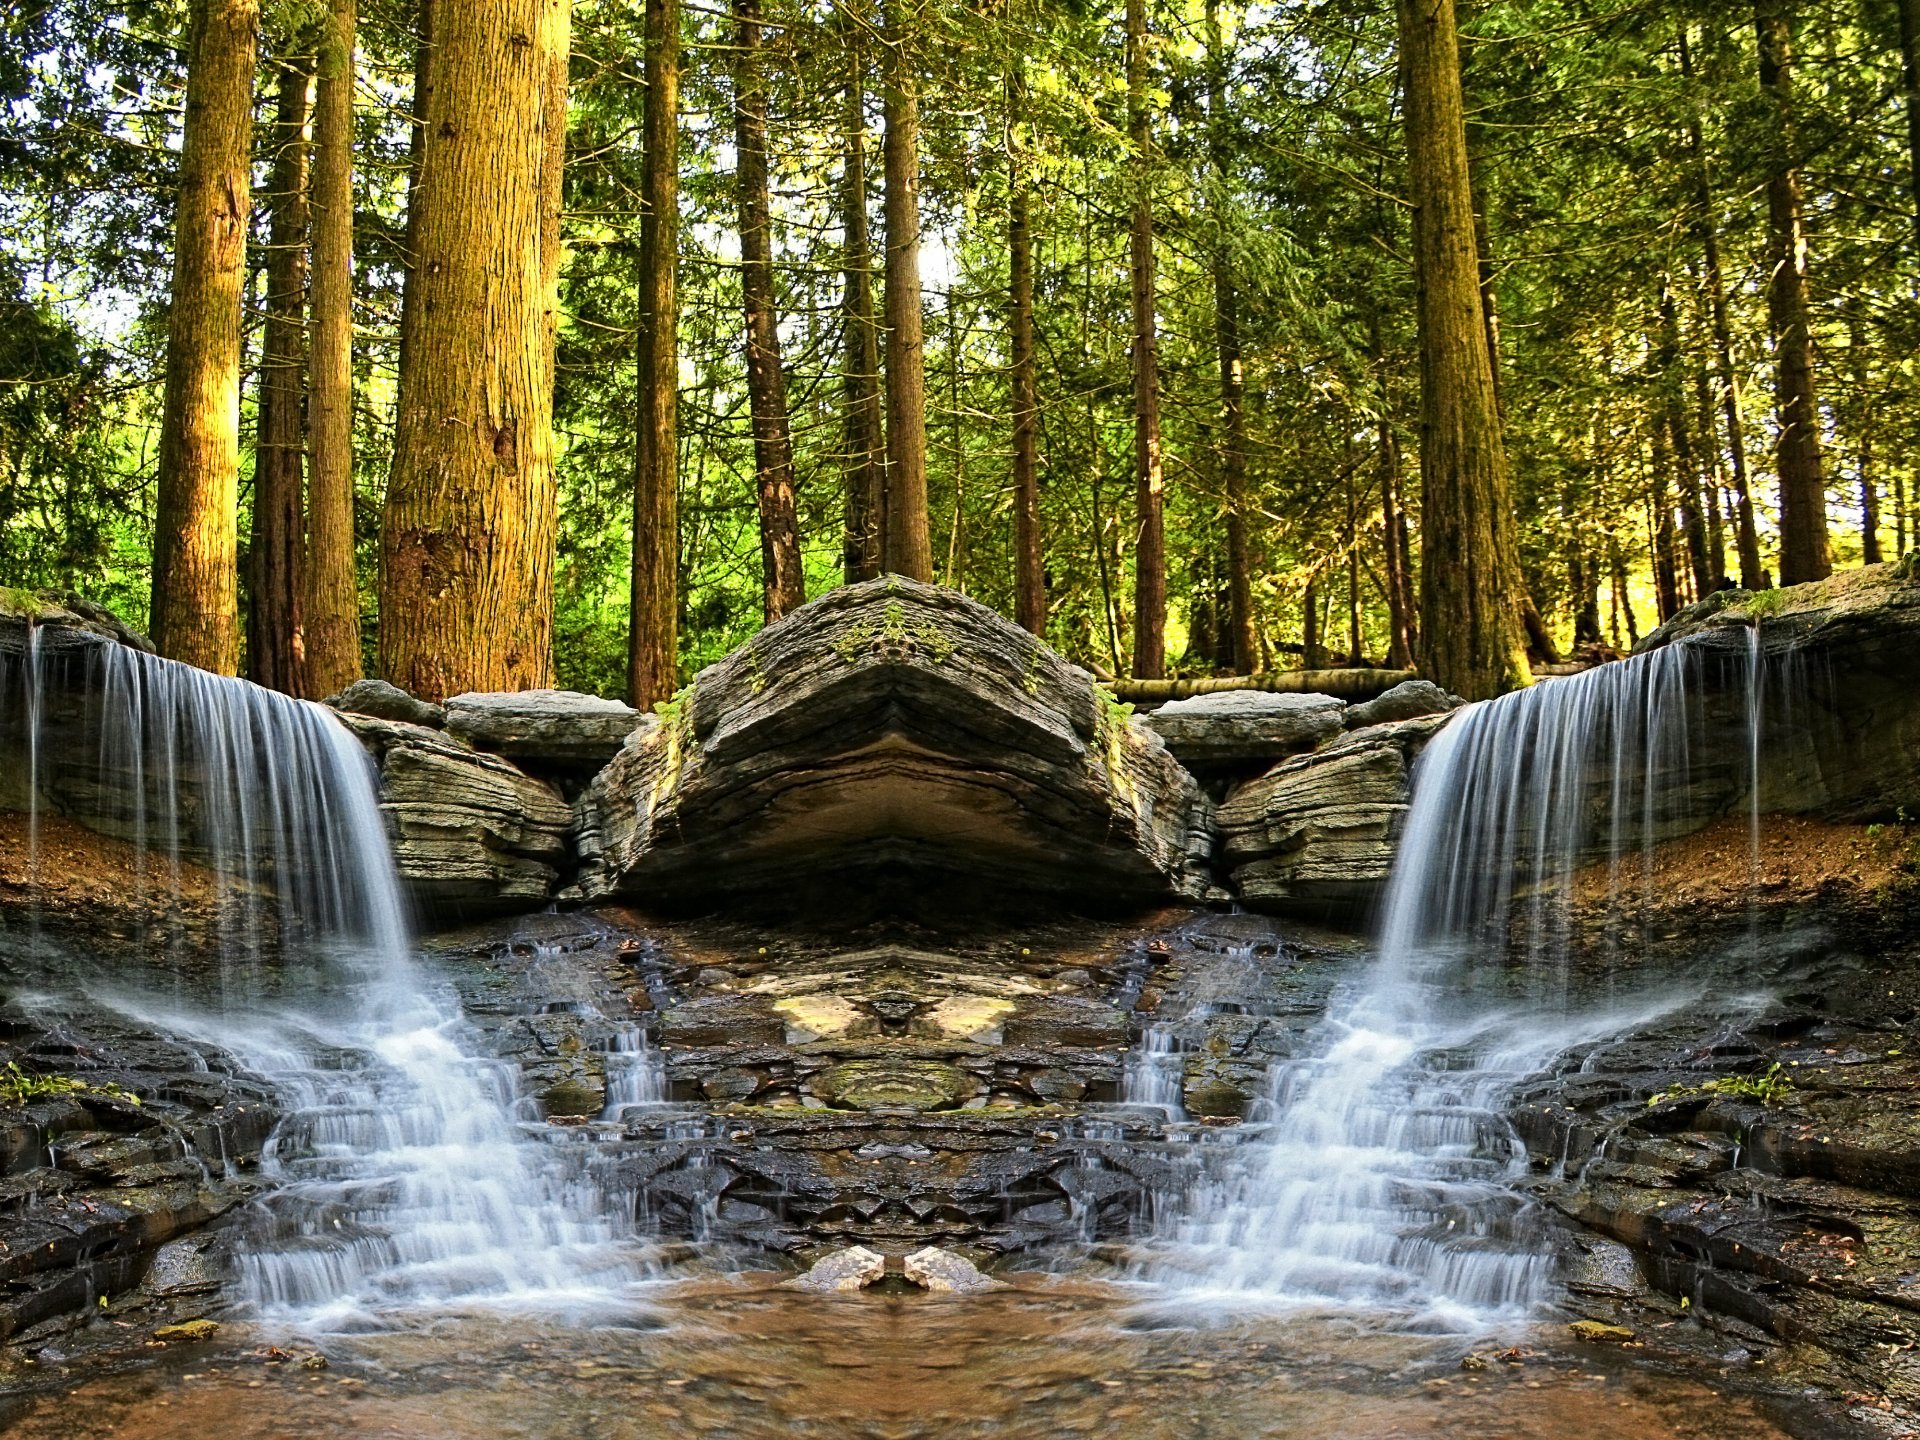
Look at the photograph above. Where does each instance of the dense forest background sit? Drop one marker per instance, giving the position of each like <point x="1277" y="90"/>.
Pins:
<point x="1629" y="164"/>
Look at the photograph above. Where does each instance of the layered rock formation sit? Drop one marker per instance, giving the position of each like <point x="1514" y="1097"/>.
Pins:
<point x="894" y="725"/>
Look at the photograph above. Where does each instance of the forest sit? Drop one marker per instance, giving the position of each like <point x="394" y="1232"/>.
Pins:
<point x="496" y="344"/>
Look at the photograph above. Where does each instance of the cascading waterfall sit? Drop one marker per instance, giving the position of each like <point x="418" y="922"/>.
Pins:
<point x="1384" y="1178"/>
<point x="404" y="1181"/>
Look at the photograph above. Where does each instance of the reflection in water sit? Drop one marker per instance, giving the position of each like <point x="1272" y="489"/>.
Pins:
<point x="738" y="1361"/>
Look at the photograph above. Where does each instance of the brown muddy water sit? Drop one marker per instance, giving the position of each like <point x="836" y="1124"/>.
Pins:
<point x="743" y="1359"/>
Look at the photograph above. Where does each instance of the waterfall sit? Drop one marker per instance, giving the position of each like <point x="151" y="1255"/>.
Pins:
<point x="403" y="1181"/>
<point x="1383" y="1181"/>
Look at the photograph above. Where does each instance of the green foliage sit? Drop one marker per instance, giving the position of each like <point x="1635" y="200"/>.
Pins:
<point x="1769" y="1088"/>
<point x="17" y="1087"/>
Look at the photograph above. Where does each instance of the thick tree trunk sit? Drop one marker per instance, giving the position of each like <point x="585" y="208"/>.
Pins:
<point x="783" y="583"/>
<point x="1470" y="586"/>
<point x="1150" y="549"/>
<point x="1910" y="80"/>
<point x="909" y="539"/>
<point x="653" y="640"/>
<point x="467" y="539"/>
<point x="1029" y="570"/>
<point x="866" y="472"/>
<point x="1313" y="654"/>
<point x="196" y="601"/>
<point x="416" y="148"/>
<point x="332" y="618"/>
<point x="1233" y="383"/>
<point x="274" y="640"/>
<point x="1803" y="493"/>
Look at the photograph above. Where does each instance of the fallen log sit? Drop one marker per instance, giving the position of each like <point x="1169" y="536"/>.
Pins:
<point x="1349" y="684"/>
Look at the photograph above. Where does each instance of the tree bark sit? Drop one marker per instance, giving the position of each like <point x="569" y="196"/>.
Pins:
<point x="1870" y="553"/>
<point x="195" y="606"/>
<point x="1803" y="495"/>
<point x="274" y="640"/>
<point x="654" y="625"/>
<point x="467" y="538"/>
<point x="782" y="580"/>
<point x="1686" y="472"/>
<point x="332" y="606"/>
<point x="1029" y="571"/>
<point x="1666" y="571"/>
<point x="1313" y="654"/>
<point x="909" y="539"/>
<point x="1150" y="549"/>
<point x="1233" y="382"/>
<point x="866" y="471"/>
<point x="416" y="148"/>
<point x="1910" y="80"/>
<point x="1470" y="586"/>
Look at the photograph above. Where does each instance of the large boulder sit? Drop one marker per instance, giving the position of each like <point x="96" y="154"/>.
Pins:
<point x="546" y="729"/>
<point x="1315" y="835"/>
<point x="384" y="700"/>
<point x="894" y="726"/>
<point x="472" y="834"/>
<point x="1238" y="729"/>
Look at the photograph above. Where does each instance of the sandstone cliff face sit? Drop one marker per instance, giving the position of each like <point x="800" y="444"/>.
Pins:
<point x="895" y="725"/>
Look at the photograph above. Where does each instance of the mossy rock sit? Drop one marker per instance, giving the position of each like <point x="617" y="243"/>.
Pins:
<point x="1216" y="1099"/>
<point x="894" y="1084"/>
<point x="572" y="1098"/>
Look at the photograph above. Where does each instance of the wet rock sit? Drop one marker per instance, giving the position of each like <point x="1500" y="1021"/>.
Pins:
<point x="23" y="609"/>
<point x="1217" y="1099"/>
<point x="1596" y="1332"/>
<point x="545" y="729"/>
<point x="1315" y="834"/>
<point x="844" y="1272"/>
<point x="386" y="701"/>
<point x="895" y="1084"/>
<point x="1408" y="700"/>
<point x="892" y="726"/>
<point x="946" y="1273"/>
<point x="1240" y="729"/>
<point x="189" y="1331"/>
<point x="472" y="833"/>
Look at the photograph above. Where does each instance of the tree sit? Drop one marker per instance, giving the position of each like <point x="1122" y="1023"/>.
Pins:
<point x="275" y="642"/>
<point x="1233" y="381"/>
<point x="783" y="581"/>
<point x="332" y="599"/>
<point x="196" y="602"/>
<point x="1910" y="81"/>
<point x="1029" y="572"/>
<point x="908" y="538"/>
<point x="1150" y="551"/>
<point x="1803" y="492"/>
<point x="653" y="634"/>
<point x="865" y="473"/>
<point x="467" y="539"/>
<point x="1471" y="630"/>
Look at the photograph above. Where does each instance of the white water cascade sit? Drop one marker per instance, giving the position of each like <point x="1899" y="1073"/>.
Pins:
<point x="1383" y="1181"/>
<point x="403" y="1180"/>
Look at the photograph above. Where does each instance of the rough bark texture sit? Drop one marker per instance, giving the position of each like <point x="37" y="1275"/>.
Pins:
<point x="332" y="603"/>
<point x="783" y="582"/>
<point x="866" y="458"/>
<point x="1029" y="572"/>
<point x="416" y="148"/>
<point x="196" y="602"/>
<point x="653" y="640"/>
<point x="1803" y="495"/>
<point x="1241" y="644"/>
<point x="1470" y="588"/>
<point x="1149" y="476"/>
<point x="274" y="641"/>
<point x="894" y="725"/>
<point x="908" y="538"/>
<point x="1686" y="470"/>
<point x="466" y="582"/>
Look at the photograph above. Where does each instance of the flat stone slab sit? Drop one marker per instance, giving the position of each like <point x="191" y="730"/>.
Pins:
<point x="1241" y="727"/>
<point x="551" y="727"/>
<point x="894" y="726"/>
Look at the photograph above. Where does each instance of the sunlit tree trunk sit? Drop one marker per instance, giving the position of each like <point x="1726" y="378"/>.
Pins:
<point x="1029" y="573"/>
<point x="1233" y="382"/>
<point x="866" y="472"/>
<point x="274" y="638"/>
<point x="195" y="608"/>
<point x="654" y="624"/>
<point x="332" y="606"/>
<point x="467" y="540"/>
<point x="782" y="581"/>
<point x="909" y="540"/>
<point x="1150" y="548"/>
<point x="416" y="147"/>
<point x="1471" y="592"/>
<point x="1686" y="472"/>
<point x="1803" y="492"/>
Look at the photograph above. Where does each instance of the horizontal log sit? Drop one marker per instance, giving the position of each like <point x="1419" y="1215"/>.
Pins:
<point x="1341" y="684"/>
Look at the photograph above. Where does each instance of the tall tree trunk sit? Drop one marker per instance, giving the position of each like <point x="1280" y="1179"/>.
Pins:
<point x="274" y="638"/>
<point x="653" y="637"/>
<point x="1313" y="654"/>
<point x="416" y="148"/>
<point x="1150" y="550"/>
<point x="1910" y="80"/>
<point x="1803" y="494"/>
<point x="1869" y="491"/>
<point x="1029" y="570"/>
<point x="909" y="540"/>
<point x="1622" y="597"/>
<point x="1666" y="570"/>
<point x="332" y="619"/>
<point x="1470" y="586"/>
<point x="1400" y="647"/>
<point x="866" y="473"/>
<point x="1686" y="472"/>
<point x="1710" y="479"/>
<point x="783" y="583"/>
<point x="467" y="538"/>
<point x="1233" y="381"/>
<point x="196" y="601"/>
